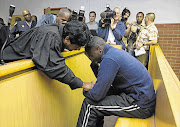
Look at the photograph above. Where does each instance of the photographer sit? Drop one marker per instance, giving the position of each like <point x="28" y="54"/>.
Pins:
<point x="114" y="31"/>
<point x="125" y="15"/>
<point x="135" y="29"/>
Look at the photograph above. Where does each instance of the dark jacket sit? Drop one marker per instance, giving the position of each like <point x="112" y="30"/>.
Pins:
<point x="44" y="45"/>
<point x="20" y="28"/>
<point x="3" y="34"/>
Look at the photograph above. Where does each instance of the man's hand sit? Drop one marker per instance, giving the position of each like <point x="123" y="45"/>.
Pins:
<point x="112" y="23"/>
<point x="66" y="50"/>
<point x="128" y="25"/>
<point x="139" y="46"/>
<point x="88" y="86"/>
<point x="102" y="21"/>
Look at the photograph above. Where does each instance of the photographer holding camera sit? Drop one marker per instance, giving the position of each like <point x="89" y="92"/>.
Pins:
<point x="134" y="31"/>
<point x="111" y="28"/>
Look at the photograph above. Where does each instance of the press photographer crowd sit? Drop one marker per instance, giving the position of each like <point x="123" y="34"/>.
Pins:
<point x="135" y="37"/>
<point x="124" y="86"/>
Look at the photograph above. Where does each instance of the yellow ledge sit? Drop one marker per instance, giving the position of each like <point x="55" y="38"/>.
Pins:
<point x="20" y="65"/>
<point x="15" y="66"/>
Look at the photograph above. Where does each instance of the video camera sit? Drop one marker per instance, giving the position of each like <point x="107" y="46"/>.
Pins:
<point x="78" y="16"/>
<point x="106" y="16"/>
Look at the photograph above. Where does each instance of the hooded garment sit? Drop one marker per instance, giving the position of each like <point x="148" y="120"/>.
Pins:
<point x="44" y="45"/>
<point x="46" y="19"/>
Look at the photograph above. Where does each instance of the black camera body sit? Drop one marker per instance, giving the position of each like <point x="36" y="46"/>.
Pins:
<point x="106" y="16"/>
<point x="133" y="36"/>
<point x="81" y="14"/>
<point x="78" y="16"/>
<point x="11" y="11"/>
<point x="131" y="40"/>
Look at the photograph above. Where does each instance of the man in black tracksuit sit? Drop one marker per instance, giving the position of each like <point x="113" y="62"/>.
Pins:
<point x="123" y="88"/>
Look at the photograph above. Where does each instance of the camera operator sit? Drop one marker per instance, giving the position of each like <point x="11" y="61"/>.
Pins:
<point x="125" y="15"/>
<point x="114" y="31"/>
<point x="134" y="31"/>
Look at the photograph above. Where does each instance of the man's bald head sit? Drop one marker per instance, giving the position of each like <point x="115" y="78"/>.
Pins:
<point x="64" y="12"/>
<point x="63" y="16"/>
<point x="24" y="12"/>
<point x="27" y="15"/>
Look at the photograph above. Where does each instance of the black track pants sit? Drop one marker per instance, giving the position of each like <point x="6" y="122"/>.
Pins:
<point x="92" y="113"/>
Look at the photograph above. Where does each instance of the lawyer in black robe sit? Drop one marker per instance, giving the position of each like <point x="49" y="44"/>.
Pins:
<point x="44" y="45"/>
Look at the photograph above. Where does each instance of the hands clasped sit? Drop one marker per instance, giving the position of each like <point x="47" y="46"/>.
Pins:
<point x="88" y="86"/>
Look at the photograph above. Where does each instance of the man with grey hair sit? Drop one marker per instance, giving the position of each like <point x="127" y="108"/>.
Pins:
<point x="61" y="18"/>
<point x="114" y="32"/>
<point x="123" y="88"/>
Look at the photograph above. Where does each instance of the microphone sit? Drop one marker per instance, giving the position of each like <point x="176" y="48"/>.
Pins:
<point x="11" y="11"/>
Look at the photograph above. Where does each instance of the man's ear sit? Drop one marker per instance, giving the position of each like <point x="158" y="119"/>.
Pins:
<point x="66" y="40"/>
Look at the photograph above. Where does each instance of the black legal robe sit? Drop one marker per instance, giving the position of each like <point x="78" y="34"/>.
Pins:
<point x="44" y="45"/>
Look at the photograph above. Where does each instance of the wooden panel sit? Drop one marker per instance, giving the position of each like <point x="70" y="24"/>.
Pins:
<point x="167" y="88"/>
<point x="168" y="94"/>
<point x="52" y="10"/>
<point x="13" y="19"/>
<point x="31" y="99"/>
<point x="133" y="122"/>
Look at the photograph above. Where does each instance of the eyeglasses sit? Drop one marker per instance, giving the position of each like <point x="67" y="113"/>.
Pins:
<point x="27" y="14"/>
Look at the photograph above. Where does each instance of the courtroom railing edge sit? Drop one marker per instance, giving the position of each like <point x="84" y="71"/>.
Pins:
<point x="20" y="65"/>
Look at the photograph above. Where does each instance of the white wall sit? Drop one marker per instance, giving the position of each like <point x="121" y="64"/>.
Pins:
<point x="167" y="11"/>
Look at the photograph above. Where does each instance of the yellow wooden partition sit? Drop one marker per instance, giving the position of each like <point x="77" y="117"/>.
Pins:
<point x="167" y="88"/>
<point x="28" y="98"/>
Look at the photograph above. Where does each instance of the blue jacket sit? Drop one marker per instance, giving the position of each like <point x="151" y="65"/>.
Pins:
<point x="118" y="32"/>
<point x="20" y="28"/>
<point x="126" y="75"/>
